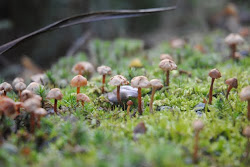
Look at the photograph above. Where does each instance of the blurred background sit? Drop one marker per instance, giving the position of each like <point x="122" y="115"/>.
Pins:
<point x="18" y="18"/>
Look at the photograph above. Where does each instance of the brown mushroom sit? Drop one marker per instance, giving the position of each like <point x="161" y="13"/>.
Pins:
<point x="7" y="107"/>
<point x="129" y="103"/>
<point x="140" y="82"/>
<point x="104" y="70"/>
<point x="214" y="74"/>
<point x="78" y="81"/>
<point x="82" y="98"/>
<point x="155" y="84"/>
<point x="232" y="83"/>
<point x="83" y="68"/>
<point x="33" y="87"/>
<point x="55" y="94"/>
<point x="20" y="86"/>
<point x="17" y="80"/>
<point x="233" y="40"/>
<point x="6" y="87"/>
<point x="166" y="56"/>
<point x="40" y="112"/>
<point x="167" y="66"/>
<point x="246" y="132"/>
<point x="198" y="126"/>
<point x="18" y="106"/>
<point x="245" y="96"/>
<point x="118" y="81"/>
<point x="25" y="95"/>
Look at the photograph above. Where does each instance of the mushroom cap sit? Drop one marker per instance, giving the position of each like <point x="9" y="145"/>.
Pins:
<point x="136" y="63"/>
<point x="5" y="86"/>
<point x="20" y="86"/>
<point x="8" y="107"/>
<point x="177" y="43"/>
<point x="130" y="103"/>
<point x="32" y="104"/>
<point x="156" y="83"/>
<point x="118" y="80"/>
<point x="232" y="82"/>
<point x="55" y="94"/>
<point x="140" y="82"/>
<point x="167" y="65"/>
<point x="234" y="39"/>
<point x="245" y="94"/>
<point x="33" y="86"/>
<point x="104" y="70"/>
<point x="78" y="81"/>
<point x="214" y="73"/>
<point x="85" y="66"/>
<point x="246" y="131"/>
<point x="26" y="94"/>
<point x="166" y="56"/>
<point x="16" y="80"/>
<point x="82" y="97"/>
<point x="40" y="78"/>
<point x="40" y="112"/>
<point x="198" y="125"/>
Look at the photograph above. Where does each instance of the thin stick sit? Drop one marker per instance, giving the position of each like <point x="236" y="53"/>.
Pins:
<point x="167" y="78"/>
<point x="211" y="91"/>
<point x="196" y="147"/>
<point x="139" y="101"/>
<point x="152" y="100"/>
<point x="103" y="83"/>
<point x="118" y="95"/>
<point x="228" y="90"/>
<point x="55" y="106"/>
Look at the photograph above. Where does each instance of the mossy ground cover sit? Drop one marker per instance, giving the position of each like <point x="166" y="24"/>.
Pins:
<point x="101" y="134"/>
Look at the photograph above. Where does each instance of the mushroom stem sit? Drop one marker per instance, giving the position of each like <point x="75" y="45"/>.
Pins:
<point x="32" y="122"/>
<point x="152" y="100"/>
<point x="82" y="103"/>
<point x="38" y="122"/>
<point x="103" y="83"/>
<point x="233" y="50"/>
<point x="55" y="106"/>
<point x="248" y="110"/>
<point x="228" y="90"/>
<point x="78" y="90"/>
<point x="20" y="92"/>
<point x="167" y="78"/>
<point x="118" y="95"/>
<point x="128" y="109"/>
<point x="211" y="91"/>
<point x="139" y="101"/>
<point x="196" y="147"/>
<point x="4" y="93"/>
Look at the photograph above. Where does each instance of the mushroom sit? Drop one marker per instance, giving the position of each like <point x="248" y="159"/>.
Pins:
<point x="140" y="82"/>
<point x="167" y="65"/>
<point x="214" y="74"/>
<point x="6" y="87"/>
<point x="104" y="70"/>
<point x="232" y="83"/>
<point x="78" y="68"/>
<point x="129" y="103"/>
<point x="40" y="78"/>
<point x="33" y="87"/>
<point x="55" y="94"/>
<point x="83" y="68"/>
<point x="7" y="107"/>
<point x="166" y="56"/>
<point x="83" y="98"/>
<point x="31" y="105"/>
<point x="177" y="44"/>
<point x="17" y="80"/>
<point x="198" y="126"/>
<point x="233" y="40"/>
<point x="26" y="94"/>
<point x="18" y="106"/>
<point x="155" y="84"/>
<point x="78" y="81"/>
<point x="136" y="63"/>
<point x="118" y="80"/>
<point x="246" y="132"/>
<point x="40" y="112"/>
<point x="245" y="96"/>
<point x="20" y="86"/>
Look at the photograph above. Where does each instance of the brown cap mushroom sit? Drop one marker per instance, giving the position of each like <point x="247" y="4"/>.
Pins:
<point x="166" y="56"/>
<point x="198" y="125"/>
<point x="26" y="94"/>
<point x="83" y="67"/>
<point x="104" y="70"/>
<point x="41" y="112"/>
<point x="8" y="107"/>
<point x="232" y="83"/>
<point x="156" y="84"/>
<point x="6" y="87"/>
<point x="78" y="81"/>
<point x="167" y="65"/>
<point x="55" y="94"/>
<point x="245" y="94"/>
<point x="78" y="68"/>
<point x="32" y="104"/>
<point x="40" y="78"/>
<point x="140" y="82"/>
<point x="214" y="73"/>
<point x="16" y="80"/>
<point x="246" y="131"/>
<point x="234" y="39"/>
<point x="82" y="98"/>
<point x="33" y="87"/>
<point x="20" y="86"/>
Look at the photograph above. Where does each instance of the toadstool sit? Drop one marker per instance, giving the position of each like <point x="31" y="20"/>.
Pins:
<point x="198" y="126"/>
<point x="78" y="81"/>
<point x="232" y="40"/>
<point x="166" y="56"/>
<point x="6" y="87"/>
<point x="40" y="112"/>
<point x="82" y="98"/>
<point x="167" y="66"/>
<point x="17" y="80"/>
<point x="214" y="74"/>
<point x="129" y="103"/>
<point x="104" y="70"/>
<point x="155" y="84"/>
<point x="25" y="95"/>
<point x="232" y="83"/>
<point x="83" y="68"/>
<point x="33" y="87"/>
<point x="55" y="94"/>
<point x="245" y="96"/>
<point x="140" y="82"/>
<point x="118" y="80"/>
<point x="7" y="107"/>
<point x="20" y="86"/>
